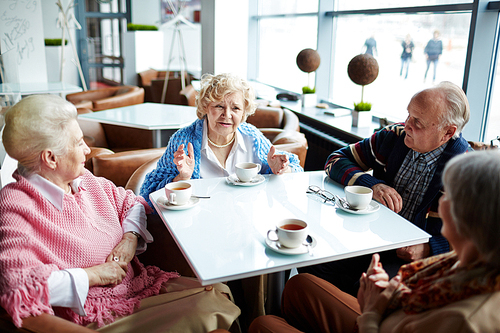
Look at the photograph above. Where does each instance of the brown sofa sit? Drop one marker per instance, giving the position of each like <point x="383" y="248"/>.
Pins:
<point x="107" y="98"/>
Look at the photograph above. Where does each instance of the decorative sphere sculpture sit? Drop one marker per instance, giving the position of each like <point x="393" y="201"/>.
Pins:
<point x="363" y="69"/>
<point x="308" y="60"/>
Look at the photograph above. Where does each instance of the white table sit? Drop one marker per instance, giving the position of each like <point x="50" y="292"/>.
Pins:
<point x="223" y="238"/>
<point x="156" y="117"/>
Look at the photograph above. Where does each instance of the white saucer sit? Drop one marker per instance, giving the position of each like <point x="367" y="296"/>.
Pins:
<point x="162" y="201"/>
<point x="372" y="208"/>
<point x="233" y="179"/>
<point x="275" y="246"/>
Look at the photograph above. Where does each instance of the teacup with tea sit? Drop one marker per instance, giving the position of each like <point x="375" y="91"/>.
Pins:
<point x="358" y="197"/>
<point x="246" y="171"/>
<point x="178" y="193"/>
<point x="290" y="233"/>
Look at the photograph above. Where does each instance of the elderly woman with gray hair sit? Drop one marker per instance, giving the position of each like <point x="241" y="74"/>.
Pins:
<point x="219" y="139"/>
<point x="68" y="240"/>
<point x="457" y="291"/>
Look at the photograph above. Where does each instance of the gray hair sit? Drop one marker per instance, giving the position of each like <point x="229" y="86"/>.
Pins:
<point x="215" y="87"/>
<point x="36" y="123"/>
<point x="457" y="106"/>
<point x="472" y="182"/>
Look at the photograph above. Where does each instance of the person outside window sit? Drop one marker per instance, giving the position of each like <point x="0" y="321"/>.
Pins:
<point x="433" y="51"/>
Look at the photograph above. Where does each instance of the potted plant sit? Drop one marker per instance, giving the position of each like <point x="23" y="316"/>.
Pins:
<point x="309" y="97"/>
<point x="362" y="70"/>
<point x="308" y="61"/>
<point x="361" y="117"/>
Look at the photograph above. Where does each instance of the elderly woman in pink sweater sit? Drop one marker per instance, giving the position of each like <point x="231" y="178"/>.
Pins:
<point x="68" y="240"/>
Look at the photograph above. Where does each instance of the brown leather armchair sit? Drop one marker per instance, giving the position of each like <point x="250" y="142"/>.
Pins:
<point x="152" y="81"/>
<point x="281" y="127"/>
<point x="107" y="98"/>
<point x="119" y="167"/>
<point x="116" y="138"/>
<point x="189" y="94"/>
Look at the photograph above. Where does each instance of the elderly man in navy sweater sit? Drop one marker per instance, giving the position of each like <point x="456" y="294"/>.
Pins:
<point x="407" y="160"/>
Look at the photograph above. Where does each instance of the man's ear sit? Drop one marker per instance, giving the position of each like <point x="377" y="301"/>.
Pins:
<point x="49" y="159"/>
<point x="450" y="131"/>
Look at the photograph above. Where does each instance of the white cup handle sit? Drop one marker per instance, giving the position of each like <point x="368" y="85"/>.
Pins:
<point x="258" y="168"/>
<point x="275" y="232"/>
<point x="171" y="199"/>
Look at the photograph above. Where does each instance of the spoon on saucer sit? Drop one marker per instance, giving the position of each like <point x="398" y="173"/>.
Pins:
<point x="308" y="243"/>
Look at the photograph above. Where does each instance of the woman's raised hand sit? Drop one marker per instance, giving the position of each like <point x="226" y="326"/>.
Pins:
<point x="185" y="163"/>
<point x="375" y="275"/>
<point x="372" y="298"/>
<point x="108" y="274"/>
<point x="277" y="162"/>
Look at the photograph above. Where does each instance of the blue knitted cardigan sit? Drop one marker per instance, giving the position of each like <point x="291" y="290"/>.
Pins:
<point x="384" y="153"/>
<point x="166" y="170"/>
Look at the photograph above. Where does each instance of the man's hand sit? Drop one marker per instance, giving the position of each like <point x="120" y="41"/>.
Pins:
<point x="415" y="252"/>
<point x="387" y="196"/>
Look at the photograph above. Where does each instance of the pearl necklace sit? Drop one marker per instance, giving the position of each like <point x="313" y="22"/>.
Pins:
<point x="221" y="146"/>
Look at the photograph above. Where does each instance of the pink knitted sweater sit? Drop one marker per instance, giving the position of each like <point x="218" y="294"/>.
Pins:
<point x="36" y="239"/>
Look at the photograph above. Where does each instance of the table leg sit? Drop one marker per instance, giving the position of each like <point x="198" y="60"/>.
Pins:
<point x="275" y="285"/>
<point x="156" y="138"/>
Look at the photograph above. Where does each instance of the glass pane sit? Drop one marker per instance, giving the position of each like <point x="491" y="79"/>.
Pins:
<point x="370" y="4"/>
<point x="493" y="124"/>
<point x="280" y="42"/>
<point x="392" y="90"/>
<point x="105" y="6"/>
<point x="103" y="38"/>
<point x="287" y="6"/>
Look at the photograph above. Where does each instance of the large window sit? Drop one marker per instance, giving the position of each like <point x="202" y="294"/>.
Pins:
<point x="493" y="123"/>
<point x="345" y="26"/>
<point x="393" y="88"/>
<point x="282" y="37"/>
<point x="280" y="42"/>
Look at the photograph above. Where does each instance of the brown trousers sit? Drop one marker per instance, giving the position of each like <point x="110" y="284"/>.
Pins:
<point x="311" y="304"/>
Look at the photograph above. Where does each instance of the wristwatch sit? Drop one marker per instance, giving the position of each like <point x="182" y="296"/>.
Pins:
<point x="136" y="234"/>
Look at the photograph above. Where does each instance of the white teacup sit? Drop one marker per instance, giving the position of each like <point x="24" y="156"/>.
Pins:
<point x="178" y="193"/>
<point x="290" y="233"/>
<point x="246" y="171"/>
<point x="358" y="197"/>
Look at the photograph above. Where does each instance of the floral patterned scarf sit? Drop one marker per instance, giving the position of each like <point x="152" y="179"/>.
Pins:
<point x="436" y="281"/>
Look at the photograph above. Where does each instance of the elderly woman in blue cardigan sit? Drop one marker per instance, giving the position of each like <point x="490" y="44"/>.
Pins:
<point x="219" y="139"/>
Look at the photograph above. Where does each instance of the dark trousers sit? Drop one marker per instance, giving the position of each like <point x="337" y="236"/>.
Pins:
<point x="435" y="62"/>
<point x="345" y="274"/>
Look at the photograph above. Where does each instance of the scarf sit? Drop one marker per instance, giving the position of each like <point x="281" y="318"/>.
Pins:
<point x="437" y="281"/>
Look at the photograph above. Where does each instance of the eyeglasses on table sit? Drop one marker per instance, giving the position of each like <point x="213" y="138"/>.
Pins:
<point x="327" y="196"/>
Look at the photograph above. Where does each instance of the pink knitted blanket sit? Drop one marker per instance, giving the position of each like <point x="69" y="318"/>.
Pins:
<point x="36" y="239"/>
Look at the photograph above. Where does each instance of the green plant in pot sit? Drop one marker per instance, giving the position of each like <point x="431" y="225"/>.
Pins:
<point x="362" y="70"/>
<point x="308" y="61"/>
